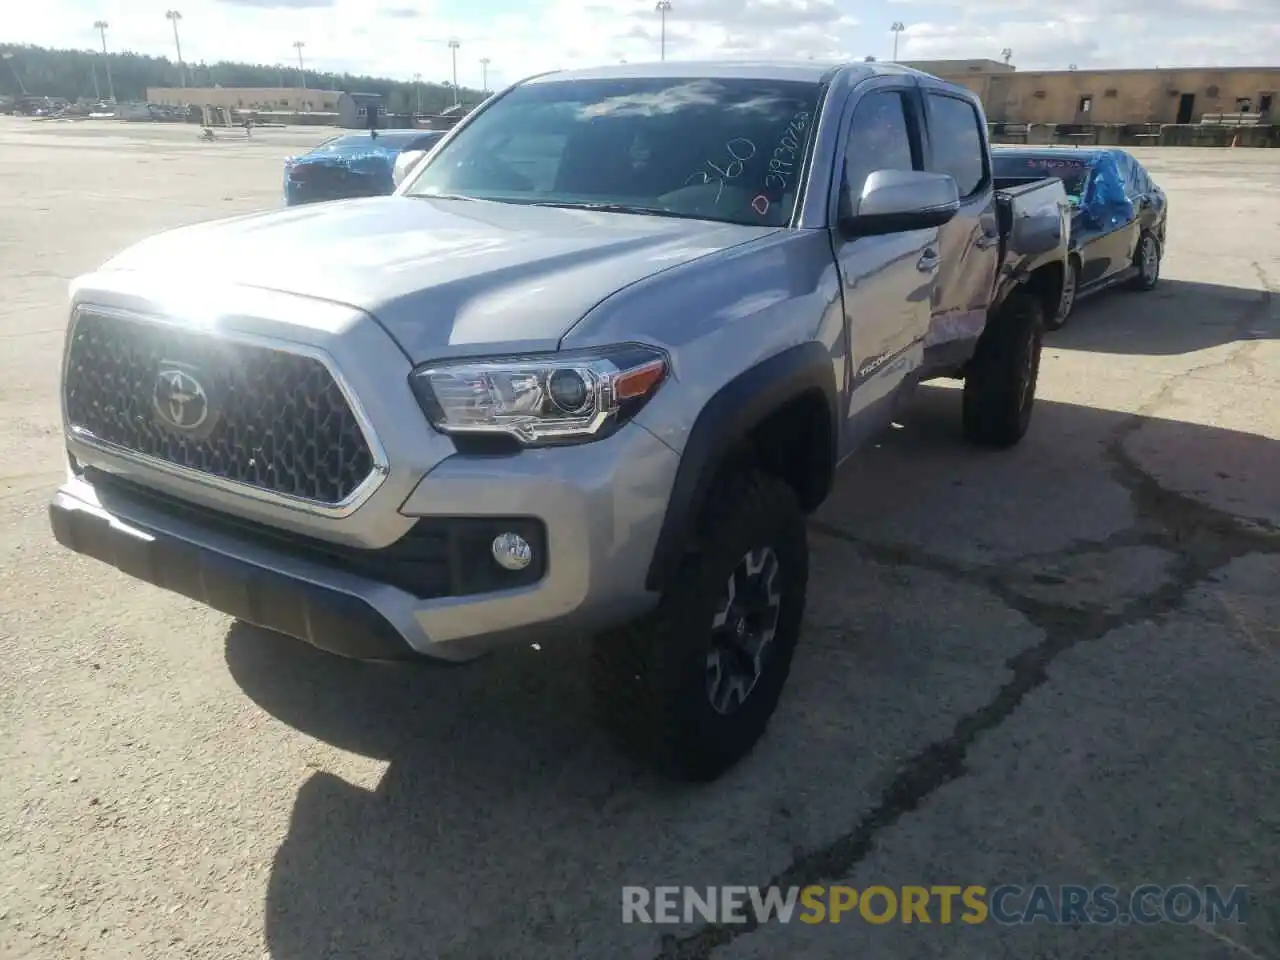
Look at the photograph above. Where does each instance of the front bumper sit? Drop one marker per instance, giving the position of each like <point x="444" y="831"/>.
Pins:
<point x="595" y="512"/>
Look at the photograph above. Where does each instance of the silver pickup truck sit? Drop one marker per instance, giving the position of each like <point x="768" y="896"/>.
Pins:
<point x="584" y="373"/>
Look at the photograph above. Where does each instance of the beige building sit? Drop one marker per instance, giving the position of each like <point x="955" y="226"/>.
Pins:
<point x="259" y="98"/>
<point x="1112" y="96"/>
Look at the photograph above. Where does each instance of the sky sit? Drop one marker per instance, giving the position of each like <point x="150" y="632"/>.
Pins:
<point x="400" y="38"/>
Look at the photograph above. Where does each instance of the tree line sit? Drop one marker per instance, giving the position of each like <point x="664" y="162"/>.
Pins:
<point x="73" y="74"/>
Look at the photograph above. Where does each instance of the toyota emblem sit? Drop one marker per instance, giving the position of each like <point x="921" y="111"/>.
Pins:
<point x="180" y="399"/>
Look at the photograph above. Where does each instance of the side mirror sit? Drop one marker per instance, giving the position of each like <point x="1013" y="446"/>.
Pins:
<point x="895" y="201"/>
<point x="404" y="163"/>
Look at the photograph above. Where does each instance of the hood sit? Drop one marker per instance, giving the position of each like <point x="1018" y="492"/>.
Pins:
<point x="442" y="276"/>
<point x="346" y="154"/>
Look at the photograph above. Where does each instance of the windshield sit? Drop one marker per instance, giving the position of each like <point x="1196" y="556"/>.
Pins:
<point x="385" y="141"/>
<point x="728" y="150"/>
<point x="1072" y="171"/>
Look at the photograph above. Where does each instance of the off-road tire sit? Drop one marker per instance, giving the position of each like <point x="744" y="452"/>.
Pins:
<point x="1148" y="269"/>
<point x="650" y="677"/>
<point x="1070" y="282"/>
<point x="1000" y="383"/>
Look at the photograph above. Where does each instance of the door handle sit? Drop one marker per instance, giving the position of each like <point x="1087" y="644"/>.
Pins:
<point x="928" y="261"/>
<point x="987" y="241"/>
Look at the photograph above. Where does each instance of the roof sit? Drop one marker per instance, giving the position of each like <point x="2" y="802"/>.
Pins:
<point x="799" y="70"/>
<point x="363" y="97"/>
<point x="382" y="132"/>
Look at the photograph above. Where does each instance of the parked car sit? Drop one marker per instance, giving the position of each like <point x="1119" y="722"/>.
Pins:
<point x="351" y="165"/>
<point x="1119" y="216"/>
<point x="587" y="371"/>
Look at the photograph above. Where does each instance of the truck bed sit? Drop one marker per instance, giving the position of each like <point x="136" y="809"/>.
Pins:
<point x="1033" y="216"/>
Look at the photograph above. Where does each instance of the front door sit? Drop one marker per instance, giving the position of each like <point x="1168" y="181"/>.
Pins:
<point x="886" y="281"/>
<point x="1114" y="247"/>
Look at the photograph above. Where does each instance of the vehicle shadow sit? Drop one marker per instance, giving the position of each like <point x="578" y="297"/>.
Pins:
<point x="1177" y="317"/>
<point x="505" y="824"/>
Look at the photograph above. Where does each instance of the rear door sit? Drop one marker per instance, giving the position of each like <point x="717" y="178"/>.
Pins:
<point x="1106" y="223"/>
<point x="1147" y="200"/>
<point x="886" y="281"/>
<point x="1124" y="243"/>
<point x="956" y="144"/>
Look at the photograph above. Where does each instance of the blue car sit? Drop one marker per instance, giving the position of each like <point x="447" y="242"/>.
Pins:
<point x="1119" y="216"/>
<point x="351" y="165"/>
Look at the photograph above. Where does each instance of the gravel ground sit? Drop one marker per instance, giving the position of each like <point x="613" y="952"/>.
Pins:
<point x="1058" y="664"/>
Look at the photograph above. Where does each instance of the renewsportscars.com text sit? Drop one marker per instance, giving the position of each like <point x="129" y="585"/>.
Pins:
<point x="944" y="904"/>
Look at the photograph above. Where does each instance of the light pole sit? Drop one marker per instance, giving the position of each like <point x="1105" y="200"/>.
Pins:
<point x="101" y="27"/>
<point x="302" y="70"/>
<point x="897" y="28"/>
<point x="453" y="52"/>
<point x="1007" y="55"/>
<point x="484" y="82"/>
<point x="663" y="7"/>
<point x="173" y="16"/>
<point x="417" y="89"/>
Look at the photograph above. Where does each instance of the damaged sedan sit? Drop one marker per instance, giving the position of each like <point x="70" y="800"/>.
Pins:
<point x="1118" y="217"/>
<point x="352" y="165"/>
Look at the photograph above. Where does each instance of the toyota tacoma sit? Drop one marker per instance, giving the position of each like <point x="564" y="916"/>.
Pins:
<point x="585" y="372"/>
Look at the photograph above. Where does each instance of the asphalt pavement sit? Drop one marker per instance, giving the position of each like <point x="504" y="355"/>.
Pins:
<point x="1058" y="664"/>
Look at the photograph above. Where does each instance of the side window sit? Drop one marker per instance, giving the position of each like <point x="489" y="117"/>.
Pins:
<point x="879" y="139"/>
<point x="1141" y="182"/>
<point x="958" y="144"/>
<point x="1128" y="173"/>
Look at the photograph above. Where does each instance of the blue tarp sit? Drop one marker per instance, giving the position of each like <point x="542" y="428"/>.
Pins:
<point x="1104" y="201"/>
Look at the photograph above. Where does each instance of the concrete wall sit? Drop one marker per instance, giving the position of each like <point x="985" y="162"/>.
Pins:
<point x="1119" y="96"/>
<point x="273" y="98"/>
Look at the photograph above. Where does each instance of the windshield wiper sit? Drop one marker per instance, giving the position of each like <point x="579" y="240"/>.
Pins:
<point x="617" y="208"/>
<point x="441" y="196"/>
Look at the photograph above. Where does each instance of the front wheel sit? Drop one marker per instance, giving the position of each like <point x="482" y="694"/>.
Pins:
<point x="1000" y="384"/>
<point x="690" y="689"/>
<point x="1067" y="299"/>
<point x="1147" y="260"/>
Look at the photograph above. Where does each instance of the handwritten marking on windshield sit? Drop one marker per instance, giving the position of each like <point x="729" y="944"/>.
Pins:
<point x="782" y="162"/>
<point x="760" y="205"/>
<point x="1056" y="164"/>
<point x="740" y="150"/>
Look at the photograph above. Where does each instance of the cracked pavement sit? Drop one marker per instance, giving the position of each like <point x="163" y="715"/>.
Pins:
<point x="1056" y="664"/>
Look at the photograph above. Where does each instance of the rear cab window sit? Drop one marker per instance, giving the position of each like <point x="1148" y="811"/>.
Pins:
<point x="1072" y="171"/>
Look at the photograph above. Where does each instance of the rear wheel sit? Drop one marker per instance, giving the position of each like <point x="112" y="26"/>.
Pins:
<point x="1147" y="259"/>
<point x="691" y="688"/>
<point x="1000" y="385"/>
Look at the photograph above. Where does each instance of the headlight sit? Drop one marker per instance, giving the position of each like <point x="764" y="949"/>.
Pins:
<point x="563" y="397"/>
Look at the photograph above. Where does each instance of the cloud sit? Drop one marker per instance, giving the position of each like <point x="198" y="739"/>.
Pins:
<point x="522" y="37"/>
<point x="280" y="4"/>
<point x="1093" y="33"/>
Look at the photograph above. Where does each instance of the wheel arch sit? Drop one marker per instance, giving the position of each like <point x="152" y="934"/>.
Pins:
<point x="780" y="416"/>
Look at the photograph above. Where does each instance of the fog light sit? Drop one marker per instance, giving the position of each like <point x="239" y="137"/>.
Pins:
<point x="512" y="551"/>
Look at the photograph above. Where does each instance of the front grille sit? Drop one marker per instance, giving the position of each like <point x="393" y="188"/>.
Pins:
<point x="319" y="175"/>
<point x="272" y="420"/>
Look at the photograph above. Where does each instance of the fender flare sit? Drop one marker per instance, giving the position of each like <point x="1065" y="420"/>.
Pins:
<point x="730" y="415"/>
